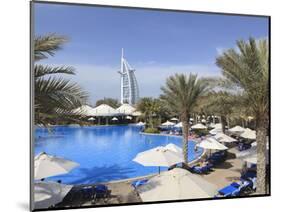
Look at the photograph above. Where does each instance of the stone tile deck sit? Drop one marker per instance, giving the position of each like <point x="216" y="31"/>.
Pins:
<point x="227" y="172"/>
<point x="123" y="192"/>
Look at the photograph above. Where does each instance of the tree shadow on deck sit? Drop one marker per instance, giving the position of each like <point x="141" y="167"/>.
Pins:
<point x="103" y="174"/>
<point x="224" y="165"/>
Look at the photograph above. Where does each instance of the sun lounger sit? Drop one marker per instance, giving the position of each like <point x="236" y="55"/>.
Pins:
<point x="87" y="193"/>
<point x="248" y="175"/>
<point x="236" y="189"/>
<point x="101" y="190"/>
<point x="138" y="183"/>
<point x="243" y="146"/>
<point x="201" y="169"/>
<point x="216" y="160"/>
<point x="217" y="157"/>
<point x="228" y="191"/>
<point x="254" y="181"/>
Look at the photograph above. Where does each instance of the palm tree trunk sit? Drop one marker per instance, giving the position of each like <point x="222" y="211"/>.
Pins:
<point x="228" y="122"/>
<point x="185" y="132"/>
<point x="261" y="156"/>
<point x="223" y="123"/>
<point x="150" y="121"/>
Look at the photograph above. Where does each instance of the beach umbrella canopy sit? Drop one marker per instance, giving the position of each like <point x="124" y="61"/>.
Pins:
<point x="114" y="119"/>
<point x="250" y="118"/>
<point x="249" y="134"/>
<point x="215" y="131"/>
<point x="212" y="125"/>
<point x="211" y="143"/>
<point x="250" y="159"/>
<point x="136" y="113"/>
<point x="140" y="123"/>
<point x="167" y="123"/>
<point x="218" y="126"/>
<point x="198" y="127"/>
<point x="91" y="119"/>
<point x="176" y="184"/>
<point x="47" y="194"/>
<point x="128" y="117"/>
<point x="174" y="119"/>
<point x="179" y="125"/>
<point x="237" y="129"/>
<point x="46" y="166"/>
<point x="85" y="110"/>
<point x="159" y="156"/>
<point x="104" y="110"/>
<point x="250" y="155"/>
<point x="174" y="148"/>
<point x="221" y="137"/>
<point x="126" y="109"/>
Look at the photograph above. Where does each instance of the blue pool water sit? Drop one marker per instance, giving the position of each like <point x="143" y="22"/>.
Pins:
<point x="104" y="153"/>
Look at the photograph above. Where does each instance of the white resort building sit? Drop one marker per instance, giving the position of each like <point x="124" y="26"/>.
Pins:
<point x="129" y="85"/>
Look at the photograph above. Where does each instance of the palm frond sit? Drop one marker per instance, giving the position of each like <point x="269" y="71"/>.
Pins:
<point x="47" y="45"/>
<point x="53" y="93"/>
<point x="247" y="68"/>
<point x="181" y="92"/>
<point x="42" y="70"/>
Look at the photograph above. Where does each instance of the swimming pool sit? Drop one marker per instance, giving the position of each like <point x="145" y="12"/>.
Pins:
<point x="104" y="153"/>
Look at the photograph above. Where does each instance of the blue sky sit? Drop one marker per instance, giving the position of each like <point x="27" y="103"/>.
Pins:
<point x="156" y="43"/>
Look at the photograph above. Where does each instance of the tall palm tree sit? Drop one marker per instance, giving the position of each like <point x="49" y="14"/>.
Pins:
<point x="247" y="67"/>
<point x="221" y="103"/>
<point x="55" y="97"/>
<point x="181" y="93"/>
<point x="151" y="108"/>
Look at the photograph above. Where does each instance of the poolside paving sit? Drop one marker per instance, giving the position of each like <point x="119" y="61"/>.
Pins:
<point x="123" y="192"/>
<point x="227" y="172"/>
<point x="222" y="176"/>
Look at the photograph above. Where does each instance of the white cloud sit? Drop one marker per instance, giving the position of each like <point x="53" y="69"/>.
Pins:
<point x="104" y="81"/>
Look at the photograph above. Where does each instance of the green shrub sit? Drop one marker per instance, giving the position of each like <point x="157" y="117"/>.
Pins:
<point x="151" y="130"/>
<point x="200" y="132"/>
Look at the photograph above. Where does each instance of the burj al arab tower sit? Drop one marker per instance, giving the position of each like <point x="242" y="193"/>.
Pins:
<point x="129" y="85"/>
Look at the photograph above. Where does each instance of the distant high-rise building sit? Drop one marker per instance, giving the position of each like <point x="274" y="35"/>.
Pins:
<point x="129" y="85"/>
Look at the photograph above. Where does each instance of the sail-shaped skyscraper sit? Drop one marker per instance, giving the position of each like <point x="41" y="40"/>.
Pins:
<point x="129" y="85"/>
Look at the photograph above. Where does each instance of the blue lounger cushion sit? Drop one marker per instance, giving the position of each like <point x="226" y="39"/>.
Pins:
<point x="101" y="188"/>
<point x="138" y="183"/>
<point x="228" y="190"/>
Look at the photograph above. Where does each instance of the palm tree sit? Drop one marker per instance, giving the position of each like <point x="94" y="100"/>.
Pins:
<point x="151" y="108"/>
<point x="221" y="103"/>
<point x="109" y="101"/>
<point x="247" y="67"/>
<point x="55" y="97"/>
<point x="181" y="93"/>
